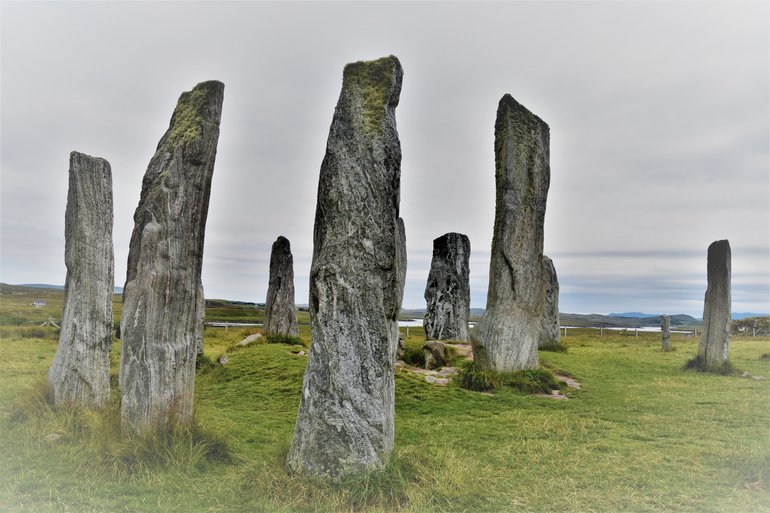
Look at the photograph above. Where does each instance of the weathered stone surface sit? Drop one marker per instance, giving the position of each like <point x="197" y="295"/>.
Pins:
<point x="435" y="354"/>
<point x="163" y="304"/>
<point x="400" y="348"/>
<point x="448" y="293"/>
<point x="346" y="414"/>
<point x="550" y="334"/>
<point x="665" y="331"/>
<point x="714" y="340"/>
<point x="80" y="373"/>
<point x="506" y="338"/>
<point x="280" y="310"/>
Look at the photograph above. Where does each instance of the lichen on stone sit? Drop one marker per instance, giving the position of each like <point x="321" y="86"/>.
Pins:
<point x="189" y="114"/>
<point x="373" y="82"/>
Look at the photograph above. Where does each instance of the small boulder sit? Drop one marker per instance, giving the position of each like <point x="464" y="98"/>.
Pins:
<point x="437" y="381"/>
<point x="435" y="354"/>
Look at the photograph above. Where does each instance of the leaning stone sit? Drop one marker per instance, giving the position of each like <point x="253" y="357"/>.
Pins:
<point x="346" y="415"/>
<point x="280" y="311"/>
<point x="550" y="334"/>
<point x="435" y="354"/>
<point x="448" y="293"/>
<point x="714" y="341"/>
<point x="80" y="373"/>
<point x="162" y="319"/>
<point x="665" y="331"/>
<point x="506" y="338"/>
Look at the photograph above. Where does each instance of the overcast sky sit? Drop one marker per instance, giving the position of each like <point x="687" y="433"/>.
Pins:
<point x="659" y="115"/>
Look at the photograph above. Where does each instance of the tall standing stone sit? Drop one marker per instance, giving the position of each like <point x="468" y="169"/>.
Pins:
<point x="714" y="342"/>
<point x="163" y="304"/>
<point x="80" y="373"/>
<point x="665" y="331"/>
<point x="280" y="311"/>
<point x="448" y="293"/>
<point x="506" y="338"/>
<point x="550" y="334"/>
<point x="346" y="415"/>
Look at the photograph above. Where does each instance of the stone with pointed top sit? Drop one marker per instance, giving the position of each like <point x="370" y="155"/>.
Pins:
<point x="163" y="304"/>
<point x="280" y="310"/>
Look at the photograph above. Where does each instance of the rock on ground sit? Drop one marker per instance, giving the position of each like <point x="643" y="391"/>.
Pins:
<point x="280" y="310"/>
<point x="346" y="415"/>
<point x="162" y="319"/>
<point x="448" y="293"/>
<point x="506" y="338"/>
<point x="80" y="373"/>
<point x="435" y="354"/>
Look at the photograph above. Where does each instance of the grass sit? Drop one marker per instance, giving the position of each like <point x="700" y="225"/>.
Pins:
<point x="641" y="435"/>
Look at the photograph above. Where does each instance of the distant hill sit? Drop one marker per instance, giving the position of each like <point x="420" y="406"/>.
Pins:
<point x="118" y="290"/>
<point x="616" y="321"/>
<point x="41" y="286"/>
<point x="636" y="315"/>
<point x="738" y="316"/>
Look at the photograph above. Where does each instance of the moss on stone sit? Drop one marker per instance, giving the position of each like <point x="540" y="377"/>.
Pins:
<point x="373" y="82"/>
<point x="189" y="114"/>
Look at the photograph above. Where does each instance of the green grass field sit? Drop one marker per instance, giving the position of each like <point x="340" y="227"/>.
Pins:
<point x="641" y="435"/>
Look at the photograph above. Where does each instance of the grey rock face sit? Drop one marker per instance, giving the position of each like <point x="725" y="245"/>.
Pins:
<point x="550" y="334"/>
<point x="435" y="354"/>
<point x="80" y="373"/>
<point x="665" y="331"/>
<point x="714" y="343"/>
<point x="506" y="338"/>
<point x="448" y="293"/>
<point x="346" y="414"/>
<point x="280" y="310"/>
<point x="163" y="304"/>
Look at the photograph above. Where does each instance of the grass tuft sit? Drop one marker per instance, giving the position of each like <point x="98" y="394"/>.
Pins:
<point x="94" y="441"/>
<point x="558" y="347"/>
<point x="280" y="338"/>
<point x="699" y="364"/>
<point x="529" y="381"/>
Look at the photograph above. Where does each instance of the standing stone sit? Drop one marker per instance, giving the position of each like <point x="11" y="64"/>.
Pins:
<point x="80" y="373"/>
<point x="550" y="334"/>
<point x="665" y="331"/>
<point x="346" y="415"/>
<point x="280" y="311"/>
<point x="163" y="305"/>
<point x="714" y="343"/>
<point x="448" y="293"/>
<point x="506" y="338"/>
